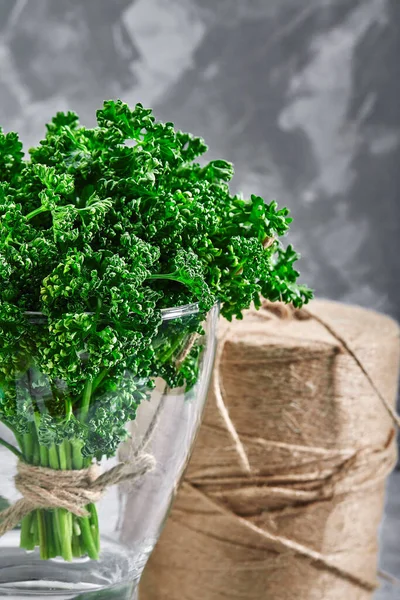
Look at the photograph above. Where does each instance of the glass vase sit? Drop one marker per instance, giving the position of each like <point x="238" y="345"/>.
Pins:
<point x="55" y="554"/>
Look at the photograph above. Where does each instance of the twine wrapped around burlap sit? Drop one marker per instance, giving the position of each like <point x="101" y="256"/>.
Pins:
<point x="284" y="493"/>
<point x="41" y="487"/>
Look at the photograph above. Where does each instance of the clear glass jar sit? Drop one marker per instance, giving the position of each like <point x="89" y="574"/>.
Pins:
<point x="130" y="515"/>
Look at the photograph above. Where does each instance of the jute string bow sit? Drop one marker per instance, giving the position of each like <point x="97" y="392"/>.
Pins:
<point x="73" y="490"/>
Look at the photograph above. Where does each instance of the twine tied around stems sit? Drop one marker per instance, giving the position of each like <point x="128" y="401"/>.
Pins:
<point x="70" y="489"/>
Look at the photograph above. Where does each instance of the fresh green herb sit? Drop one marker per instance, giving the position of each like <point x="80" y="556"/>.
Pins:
<point x="100" y="230"/>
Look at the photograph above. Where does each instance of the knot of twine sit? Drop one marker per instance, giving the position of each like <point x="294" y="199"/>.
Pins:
<point x="73" y="490"/>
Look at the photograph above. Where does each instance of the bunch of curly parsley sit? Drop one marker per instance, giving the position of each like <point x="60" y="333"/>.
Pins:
<point x="100" y="230"/>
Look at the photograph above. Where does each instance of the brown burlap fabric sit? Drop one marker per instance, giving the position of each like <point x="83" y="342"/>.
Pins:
<point x="284" y="493"/>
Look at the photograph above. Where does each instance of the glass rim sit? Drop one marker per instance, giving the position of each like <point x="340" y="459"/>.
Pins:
<point x="167" y="314"/>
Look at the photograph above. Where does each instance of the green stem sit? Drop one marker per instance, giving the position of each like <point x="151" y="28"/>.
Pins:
<point x="68" y="453"/>
<point x="97" y="380"/>
<point x="12" y="449"/>
<point x="169" y="276"/>
<point x="88" y="541"/>
<point x="87" y="538"/>
<point x="43" y="452"/>
<point x="64" y="533"/>
<point x="94" y="520"/>
<point x="51" y="535"/>
<point x="37" y="211"/>
<point x="87" y="393"/>
<point x="77" y="458"/>
<point x="68" y="409"/>
<point x="27" y="539"/>
<point x="62" y="456"/>
<point x="53" y="457"/>
<point x="17" y="436"/>
<point x="35" y="530"/>
<point x="27" y="442"/>
<point x="42" y="534"/>
<point x="36" y="449"/>
<point x="170" y="351"/>
<point x="44" y="456"/>
<point x="76" y="545"/>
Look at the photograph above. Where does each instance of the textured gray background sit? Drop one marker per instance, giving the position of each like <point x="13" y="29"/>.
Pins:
<point x="303" y="95"/>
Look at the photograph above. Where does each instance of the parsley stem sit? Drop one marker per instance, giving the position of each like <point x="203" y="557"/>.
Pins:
<point x="42" y="534"/>
<point x="28" y="447"/>
<point x="87" y="538"/>
<point x="44" y="456"/>
<point x="62" y="456"/>
<point x="87" y="393"/>
<point x="68" y="409"/>
<point x="53" y="546"/>
<point x="63" y="518"/>
<point x="163" y="358"/>
<point x="94" y="520"/>
<point x="97" y="380"/>
<point x="77" y="458"/>
<point x="12" y="449"/>
<point x="170" y="276"/>
<point x="53" y="457"/>
<point x="36" y="212"/>
<point x="26" y="540"/>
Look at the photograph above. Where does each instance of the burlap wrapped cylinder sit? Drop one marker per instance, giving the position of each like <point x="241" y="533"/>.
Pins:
<point x="284" y="493"/>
